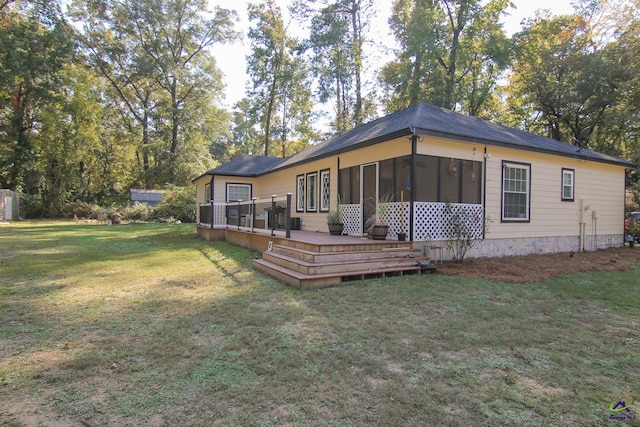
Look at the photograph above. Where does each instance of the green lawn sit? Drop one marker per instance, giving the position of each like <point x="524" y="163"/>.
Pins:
<point x="146" y="324"/>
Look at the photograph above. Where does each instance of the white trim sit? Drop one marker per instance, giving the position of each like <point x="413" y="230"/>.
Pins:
<point x="571" y="173"/>
<point x="325" y="190"/>
<point x="312" y="194"/>
<point x="300" y="191"/>
<point x="512" y="185"/>
<point x="239" y="185"/>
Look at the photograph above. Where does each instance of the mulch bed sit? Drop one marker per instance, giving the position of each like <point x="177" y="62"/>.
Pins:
<point x="536" y="268"/>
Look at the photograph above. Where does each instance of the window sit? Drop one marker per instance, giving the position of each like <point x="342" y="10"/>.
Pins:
<point x="312" y="191"/>
<point x="237" y="192"/>
<point x="207" y="192"/>
<point x="325" y="190"/>
<point x="300" y="193"/>
<point x="568" y="184"/>
<point x="515" y="191"/>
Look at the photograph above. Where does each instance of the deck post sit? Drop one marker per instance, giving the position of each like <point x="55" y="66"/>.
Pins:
<point x="253" y="213"/>
<point x="273" y="214"/>
<point x="211" y="200"/>
<point x="211" y="213"/>
<point x="412" y="192"/>
<point x="288" y="219"/>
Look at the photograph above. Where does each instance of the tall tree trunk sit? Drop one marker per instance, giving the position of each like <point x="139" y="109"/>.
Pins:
<point x="175" y="120"/>
<point x="270" y="106"/>
<point x="22" y="147"/>
<point x="357" y="59"/>
<point x="414" y="85"/>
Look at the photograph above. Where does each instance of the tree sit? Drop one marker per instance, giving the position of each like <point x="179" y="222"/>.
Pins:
<point x="36" y="45"/>
<point x="280" y="95"/>
<point x="245" y="138"/>
<point x="156" y="56"/>
<point x="338" y="34"/>
<point x="560" y="82"/>
<point x="452" y="53"/>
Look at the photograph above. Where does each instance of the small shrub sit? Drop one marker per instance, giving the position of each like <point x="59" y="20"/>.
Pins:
<point x="30" y="206"/>
<point x="462" y="224"/>
<point x="79" y="210"/>
<point x="137" y="213"/>
<point x="178" y="203"/>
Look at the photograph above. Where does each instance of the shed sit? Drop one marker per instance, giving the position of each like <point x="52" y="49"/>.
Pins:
<point x="146" y="197"/>
<point x="9" y="205"/>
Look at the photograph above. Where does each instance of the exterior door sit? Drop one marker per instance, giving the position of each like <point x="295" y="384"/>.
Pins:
<point x="369" y="179"/>
<point x="8" y="208"/>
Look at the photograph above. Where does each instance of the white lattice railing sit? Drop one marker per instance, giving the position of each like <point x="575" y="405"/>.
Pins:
<point x="396" y="216"/>
<point x="352" y="219"/>
<point x="431" y="219"/>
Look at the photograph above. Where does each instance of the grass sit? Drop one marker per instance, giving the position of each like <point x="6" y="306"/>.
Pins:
<point x="148" y="325"/>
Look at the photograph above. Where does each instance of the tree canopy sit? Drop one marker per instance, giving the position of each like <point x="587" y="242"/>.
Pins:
<point x="113" y="94"/>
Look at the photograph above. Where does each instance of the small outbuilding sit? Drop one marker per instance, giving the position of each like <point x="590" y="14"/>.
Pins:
<point x="146" y="197"/>
<point x="9" y="205"/>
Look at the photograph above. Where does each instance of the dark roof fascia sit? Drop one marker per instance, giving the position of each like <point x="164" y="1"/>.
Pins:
<point x="211" y="173"/>
<point x="580" y="155"/>
<point x="356" y="146"/>
<point x="243" y="175"/>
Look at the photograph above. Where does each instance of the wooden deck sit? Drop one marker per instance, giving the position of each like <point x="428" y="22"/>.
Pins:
<point x="315" y="259"/>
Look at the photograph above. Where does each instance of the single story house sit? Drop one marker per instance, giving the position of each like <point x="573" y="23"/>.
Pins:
<point x="520" y="193"/>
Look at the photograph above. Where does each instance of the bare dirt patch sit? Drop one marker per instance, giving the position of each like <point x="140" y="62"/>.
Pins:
<point x="536" y="268"/>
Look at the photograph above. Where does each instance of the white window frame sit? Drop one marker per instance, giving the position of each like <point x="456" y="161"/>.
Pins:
<point x="238" y="185"/>
<point x="311" y="192"/>
<point x="207" y="192"/>
<point x="516" y="180"/>
<point x="325" y="190"/>
<point x="300" y="193"/>
<point x="570" y="186"/>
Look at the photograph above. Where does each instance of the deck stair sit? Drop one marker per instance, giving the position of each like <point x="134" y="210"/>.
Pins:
<point x="316" y="266"/>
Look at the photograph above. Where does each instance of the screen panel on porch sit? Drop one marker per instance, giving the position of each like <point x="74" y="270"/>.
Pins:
<point x="439" y="180"/>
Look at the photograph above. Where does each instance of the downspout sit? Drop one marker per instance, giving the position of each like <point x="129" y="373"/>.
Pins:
<point x="484" y="194"/>
<point x="414" y="150"/>
<point x="338" y="183"/>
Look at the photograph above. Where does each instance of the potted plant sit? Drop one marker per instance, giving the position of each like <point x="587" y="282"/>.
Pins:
<point x="334" y="220"/>
<point x="377" y="227"/>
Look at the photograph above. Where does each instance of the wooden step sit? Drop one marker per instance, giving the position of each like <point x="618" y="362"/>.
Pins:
<point x="305" y="265"/>
<point x="294" y="278"/>
<point x="363" y="245"/>
<point x="339" y="256"/>
<point x="313" y="281"/>
<point x="355" y="262"/>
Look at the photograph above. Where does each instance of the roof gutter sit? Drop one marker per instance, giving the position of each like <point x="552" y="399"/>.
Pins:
<point x="577" y="155"/>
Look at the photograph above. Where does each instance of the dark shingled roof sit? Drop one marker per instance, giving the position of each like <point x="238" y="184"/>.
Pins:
<point x="247" y="166"/>
<point x="421" y="119"/>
